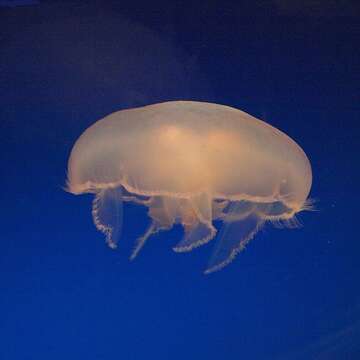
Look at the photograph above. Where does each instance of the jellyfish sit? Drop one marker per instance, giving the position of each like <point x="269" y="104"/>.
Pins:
<point x="191" y="163"/>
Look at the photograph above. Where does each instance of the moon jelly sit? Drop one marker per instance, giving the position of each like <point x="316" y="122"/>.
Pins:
<point x="191" y="163"/>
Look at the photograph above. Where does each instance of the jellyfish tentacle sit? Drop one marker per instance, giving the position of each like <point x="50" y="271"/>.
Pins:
<point x="233" y="238"/>
<point x="107" y="213"/>
<point x="195" y="236"/>
<point x="140" y="241"/>
<point x="197" y="222"/>
<point x="202" y="206"/>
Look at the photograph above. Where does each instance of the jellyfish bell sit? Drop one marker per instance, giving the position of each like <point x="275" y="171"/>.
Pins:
<point x="191" y="163"/>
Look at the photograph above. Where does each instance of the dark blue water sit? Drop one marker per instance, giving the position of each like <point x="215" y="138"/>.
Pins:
<point x="293" y="294"/>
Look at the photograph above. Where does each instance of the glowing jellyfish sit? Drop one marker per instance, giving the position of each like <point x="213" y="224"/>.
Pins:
<point x="191" y="163"/>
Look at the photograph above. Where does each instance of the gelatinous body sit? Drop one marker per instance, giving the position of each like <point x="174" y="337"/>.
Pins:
<point x="191" y="163"/>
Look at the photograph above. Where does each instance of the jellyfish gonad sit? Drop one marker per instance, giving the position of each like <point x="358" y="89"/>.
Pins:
<point x="191" y="163"/>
